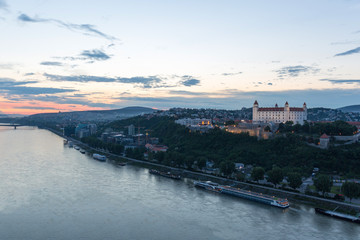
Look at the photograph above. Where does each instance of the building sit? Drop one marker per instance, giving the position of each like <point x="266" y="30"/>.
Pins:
<point x="189" y="122"/>
<point x="279" y="114"/>
<point x="324" y="141"/>
<point x="85" y="130"/>
<point x="196" y="124"/>
<point x="156" y="148"/>
<point x="131" y="130"/>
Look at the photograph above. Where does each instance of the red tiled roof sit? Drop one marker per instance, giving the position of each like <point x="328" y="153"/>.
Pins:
<point x="295" y="109"/>
<point x="274" y="109"/>
<point x="324" y="136"/>
<point x="271" y="109"/>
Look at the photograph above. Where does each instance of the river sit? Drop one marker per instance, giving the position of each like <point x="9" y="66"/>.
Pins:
<point x="50" y="191"/>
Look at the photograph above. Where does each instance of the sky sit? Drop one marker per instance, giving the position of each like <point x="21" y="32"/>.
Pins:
<point x="91" y="55"/>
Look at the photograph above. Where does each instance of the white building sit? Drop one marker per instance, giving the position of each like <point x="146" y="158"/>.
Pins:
<point x="194" y="122"/>
<point x="279" y="114"/>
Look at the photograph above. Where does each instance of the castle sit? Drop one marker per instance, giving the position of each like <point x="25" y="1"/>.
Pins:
<point x="279" y="114"/>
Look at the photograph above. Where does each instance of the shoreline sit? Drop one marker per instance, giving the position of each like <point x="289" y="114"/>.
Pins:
<point x="193" y="175"/>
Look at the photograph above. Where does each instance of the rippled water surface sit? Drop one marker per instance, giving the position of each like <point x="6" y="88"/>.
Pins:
<point x="50" y="191"/>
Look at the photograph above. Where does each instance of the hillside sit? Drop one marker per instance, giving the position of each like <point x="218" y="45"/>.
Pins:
<point x="90" y="116"/>
<point x="351" y="108"/>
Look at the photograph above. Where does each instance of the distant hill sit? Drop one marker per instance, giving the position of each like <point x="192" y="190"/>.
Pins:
<point x="351" y="108"/>
<point x="90" y="116"/>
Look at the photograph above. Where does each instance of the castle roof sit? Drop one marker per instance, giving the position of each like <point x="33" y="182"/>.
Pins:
<point x="324" y="136"/>
<point x="280" y="109"/>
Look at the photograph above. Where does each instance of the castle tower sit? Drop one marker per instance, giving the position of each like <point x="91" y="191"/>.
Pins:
<point x="287" y="112"/>
<point x="305" y="112"/>
<point x="255" y="111"/>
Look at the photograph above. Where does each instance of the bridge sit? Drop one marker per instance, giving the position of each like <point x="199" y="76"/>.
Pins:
<point x="14" y="125"/>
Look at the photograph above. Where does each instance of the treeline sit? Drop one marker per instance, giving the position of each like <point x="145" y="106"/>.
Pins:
<point x="331" y="128"/>
<point x="289" y="152"/>
<point x="97" y="143"/>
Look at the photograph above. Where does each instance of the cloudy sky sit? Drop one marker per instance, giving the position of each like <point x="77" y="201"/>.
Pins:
<point x="89" y="54"/>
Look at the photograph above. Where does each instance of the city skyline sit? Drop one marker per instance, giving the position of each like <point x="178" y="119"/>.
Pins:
<point x="86" y="55"/>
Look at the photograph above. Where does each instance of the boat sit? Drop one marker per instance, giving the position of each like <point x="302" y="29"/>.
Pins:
<point x="76" y="147"/>
<point x="257" y="197"/>
<point x="346" y="217"/>
<point x="121" y="164"/>
<point x="165" y="174"/>
<point x="208" y="185"/>
<point x="237" y="192"/>
<point x="99" y="157"/>
<point x="70" y="144"/>
<point x="82" y="151"/>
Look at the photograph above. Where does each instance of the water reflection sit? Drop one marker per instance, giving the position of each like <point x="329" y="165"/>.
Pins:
<point x="51" y="191"/>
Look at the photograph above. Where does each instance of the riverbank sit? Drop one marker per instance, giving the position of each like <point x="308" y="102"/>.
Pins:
<point x="292" y="196"/>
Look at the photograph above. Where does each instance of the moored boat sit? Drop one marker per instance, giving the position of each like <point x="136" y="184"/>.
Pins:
<point x="257" y="197"/>
<point x="165" y="174"/>
<point x="254" y="196"/>
<point x="82" y="151"/>
<point x="338" y="215"/>
<point x="99" y="157"/>
<point x="208" y="185"/>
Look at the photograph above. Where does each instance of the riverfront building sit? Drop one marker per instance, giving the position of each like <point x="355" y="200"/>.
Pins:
<point x="279" y="114"/>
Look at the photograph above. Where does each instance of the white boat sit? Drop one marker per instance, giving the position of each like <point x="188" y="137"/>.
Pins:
<point x="99" y="157"/>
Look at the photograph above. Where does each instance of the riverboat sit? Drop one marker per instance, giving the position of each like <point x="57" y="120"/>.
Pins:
<point x="208" y="185"/>
<point x="257" y="197"/>
<point x="165" y="174"/>
<point x="99" y="157"/>
<point x="346" y="217"/>
<point x="254" y="196"/>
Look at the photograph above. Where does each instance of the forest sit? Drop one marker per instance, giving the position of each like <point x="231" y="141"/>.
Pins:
<point x="288" y="151"/>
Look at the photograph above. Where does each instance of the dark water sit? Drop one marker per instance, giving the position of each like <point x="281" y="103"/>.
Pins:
<point x="50" y="191"/>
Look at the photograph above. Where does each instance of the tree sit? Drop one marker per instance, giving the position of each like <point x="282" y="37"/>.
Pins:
<point x="227" y="167"/>
<point x="323" y="183"/>
<point x="240" y="176"/>
<point x="201" y="163"/>
<point x="267" y="129"/>
<point x="257" y="173"/>
<point x="275" y="176"/>
<point x="295" y="180"/>
<point x="351" y="190"/>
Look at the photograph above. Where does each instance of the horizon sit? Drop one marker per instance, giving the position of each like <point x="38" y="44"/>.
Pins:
<point x="85" y="55"/>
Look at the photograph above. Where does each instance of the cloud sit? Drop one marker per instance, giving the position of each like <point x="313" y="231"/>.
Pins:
<point x="3" y="4"/>
<point x="10" y="86"/>
<point x="37" y="108"/>
<point x="146" y="82"/>
<point x="139" y="81"/>
<point x="51" y="63"/>
<point x="85" y="29"/>
<point x="340" y="81"/>
<point x="231" y="74"/>
<point x="29" y="74"/>
<point x="295" y="71"/>
<point x="189" y="81"/>
<point x="352" y="51"/>
<point x="9" y="82"/>
<point x="95" y="54"/>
